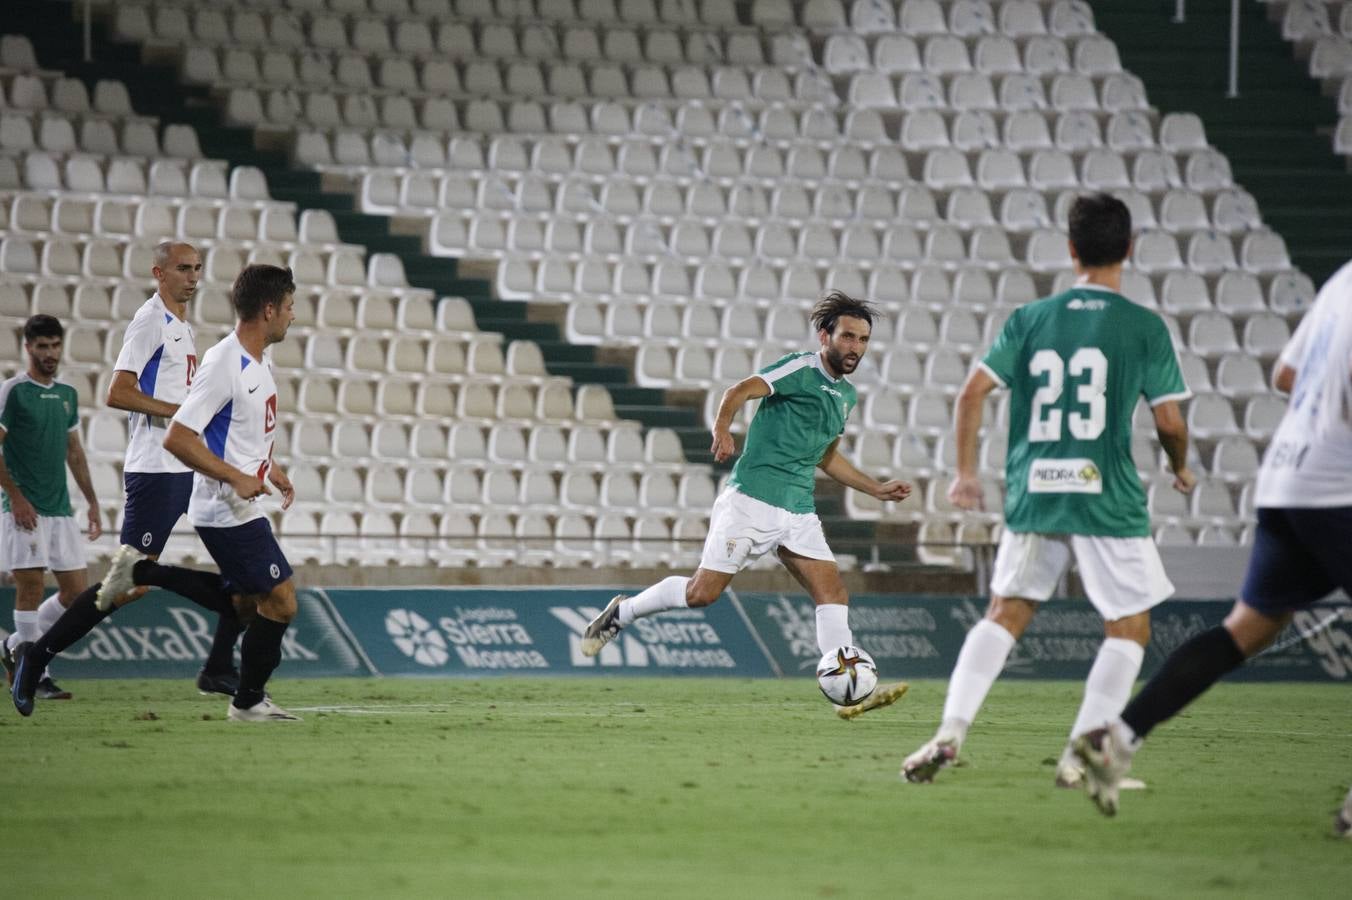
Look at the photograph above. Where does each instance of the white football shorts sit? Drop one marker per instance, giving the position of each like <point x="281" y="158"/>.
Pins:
<point x="1123" y="576"/>
<point x="56" y="544"/>
<point x="742" y="529"/>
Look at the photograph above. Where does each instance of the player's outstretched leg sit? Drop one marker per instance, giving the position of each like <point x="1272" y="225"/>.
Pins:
<point x="883" y="695"/>
<point x="669" y="593"/>
<point x="1106" y="754"/>
<point x="603" y="629"/>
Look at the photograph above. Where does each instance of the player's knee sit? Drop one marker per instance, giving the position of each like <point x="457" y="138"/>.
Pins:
<point x="698" y="595"/>
<point x="1132" y="628"/>
<point x="280" y="603"/>
<point x="1011" y="613"/>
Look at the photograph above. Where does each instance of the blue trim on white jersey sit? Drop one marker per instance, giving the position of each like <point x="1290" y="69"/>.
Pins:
<point x="151" y="372"/>
<point x="218" y="429"/>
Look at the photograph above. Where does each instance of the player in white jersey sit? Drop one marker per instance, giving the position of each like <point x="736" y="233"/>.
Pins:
<point x="224" y="432"/>
<point x="1300" y="547"/>
<point x="150" y="379"/>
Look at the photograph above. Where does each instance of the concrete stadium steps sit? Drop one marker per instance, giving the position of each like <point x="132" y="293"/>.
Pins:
<point x="1276" y="134"/>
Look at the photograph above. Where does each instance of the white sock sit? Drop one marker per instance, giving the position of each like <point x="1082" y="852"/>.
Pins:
<point x="983" y="655"/>
<point x="25" y="626"/>
<point x="833" y="627"/>
<point x="1124" y="736"/>
<point x="50" y="610"/>
<point x="669" y="593"/>
<point x="1109" y="684"/>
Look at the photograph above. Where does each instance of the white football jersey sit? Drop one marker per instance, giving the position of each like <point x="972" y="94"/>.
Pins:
<point x="1306" y="466"/>
<point x="232" y="404"/>
<point x="158" y="348"/>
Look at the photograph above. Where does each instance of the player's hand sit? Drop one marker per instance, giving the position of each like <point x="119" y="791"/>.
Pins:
<point x="893" y="490"/>
<point x="965" y="493"/>
<point x="95" y="526"/>
<point x="1184" y="480"/>
<point x="283" y="484"/>
<point x="247" y="487"/>
<point x="25" y="516"/>
<point x="724" y="448"/>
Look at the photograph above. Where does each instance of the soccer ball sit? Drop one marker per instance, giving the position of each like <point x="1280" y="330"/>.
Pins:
<point x="847" y="675"/>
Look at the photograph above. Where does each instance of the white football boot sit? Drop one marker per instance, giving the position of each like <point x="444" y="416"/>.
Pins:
<point x="602" y="629"/>
<point x="922" y="765"/>
<point x="262" y="711"/>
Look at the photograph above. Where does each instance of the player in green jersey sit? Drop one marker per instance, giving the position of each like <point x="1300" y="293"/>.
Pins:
<point x="1075" y="364"/>
<point x="40" y="437"/>
<point x="768" y="503"/>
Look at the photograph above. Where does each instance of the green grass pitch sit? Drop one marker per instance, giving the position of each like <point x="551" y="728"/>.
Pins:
<point x="656" y="788"/>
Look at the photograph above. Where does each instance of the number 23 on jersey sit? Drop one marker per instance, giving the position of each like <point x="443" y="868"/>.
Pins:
<point x="1088" y="370"/>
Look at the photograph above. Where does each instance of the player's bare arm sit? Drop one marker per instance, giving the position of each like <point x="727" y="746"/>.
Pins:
<point x="79" y="468"/>
<point x="1172" y="429"/>
<point x="277" y="475"/>
<point x="965" y="490"/>
<point x="187" y="446"/>
<point x="124" y="392"/>
<point x="835" y="464"/>
<point x="734" y="398"/>
<point x="25" y="516"/>
<point x="1284" y="378"/>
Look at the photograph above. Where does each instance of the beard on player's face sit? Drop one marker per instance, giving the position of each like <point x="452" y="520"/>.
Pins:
<point x="842" y="362"/>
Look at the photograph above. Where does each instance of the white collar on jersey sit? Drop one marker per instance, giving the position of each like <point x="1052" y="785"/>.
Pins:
<point x="821" y="367"/>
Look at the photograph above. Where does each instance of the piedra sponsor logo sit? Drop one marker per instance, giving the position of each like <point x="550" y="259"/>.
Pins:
<point x="481" y="637"/>
<point x="1064" y="476"/>
<point x="679" y="639"/>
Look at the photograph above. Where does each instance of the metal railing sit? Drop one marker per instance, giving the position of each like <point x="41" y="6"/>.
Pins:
<point x="1232" y="83"/>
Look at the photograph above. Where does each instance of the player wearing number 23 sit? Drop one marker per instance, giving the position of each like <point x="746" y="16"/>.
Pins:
<point x="1076" y="365"/>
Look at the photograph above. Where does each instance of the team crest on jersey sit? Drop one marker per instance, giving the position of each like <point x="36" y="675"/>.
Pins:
<point x="270" y="414"/>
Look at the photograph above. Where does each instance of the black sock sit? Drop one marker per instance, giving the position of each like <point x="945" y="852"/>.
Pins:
<point x="260" y="653"/>
<point x="78" y="620"/>
<point x="1186" y="674"/>
<point x="206" y="589"/>
<point x="221" y="659"/>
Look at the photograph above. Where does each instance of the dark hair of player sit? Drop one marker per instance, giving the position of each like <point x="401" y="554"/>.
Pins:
<point x="1100" y="229"/>
<point x="258" y="286"/>
<point x="42" y="326"/>
<point x="835" y="304"/>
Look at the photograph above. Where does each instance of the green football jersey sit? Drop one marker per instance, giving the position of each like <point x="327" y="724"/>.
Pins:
<point x="37" y="419"/>
<point x="1076" y="365"/>
<point x="805" y="412"/>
